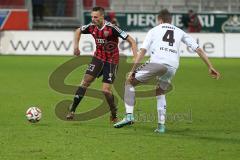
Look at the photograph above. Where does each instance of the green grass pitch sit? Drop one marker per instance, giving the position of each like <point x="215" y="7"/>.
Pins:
<point x="203" y="119"/>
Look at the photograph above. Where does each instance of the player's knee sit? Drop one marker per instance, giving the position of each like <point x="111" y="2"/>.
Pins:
<point x="159" y="91"/>
<point x="128" y="81"/>
<point x="164" y="88"/>
<point x="132" y="81"/>
<point x="85" y="84"/>
<point x="106" y="91"/>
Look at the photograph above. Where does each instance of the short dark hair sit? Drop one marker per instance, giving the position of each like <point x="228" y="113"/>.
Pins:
<point x="165" y="15"/>
<point x="100" y="9"/>
<point x="190" y="11"/>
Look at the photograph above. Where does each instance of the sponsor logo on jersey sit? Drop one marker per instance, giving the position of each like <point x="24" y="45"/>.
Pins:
<point x="110" y="46"/>
<point x="106" y="33"/>
<point x="100" y="41"/>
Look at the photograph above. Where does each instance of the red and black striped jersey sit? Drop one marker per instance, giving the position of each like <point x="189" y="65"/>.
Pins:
<point x="106" y="39"/>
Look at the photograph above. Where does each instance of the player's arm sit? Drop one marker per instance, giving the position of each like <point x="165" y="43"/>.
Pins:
<point x="145" y="46"/>
<point x="120" y="33"/>
<point x="138" y="59"/>
<point x="213" y="72"/>
<point x="133" y="46"/>
<point x="188" y="40"/>
<point x="77" y="36"/>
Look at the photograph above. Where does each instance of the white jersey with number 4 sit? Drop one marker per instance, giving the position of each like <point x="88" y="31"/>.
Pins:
<point x="163" y="43"/>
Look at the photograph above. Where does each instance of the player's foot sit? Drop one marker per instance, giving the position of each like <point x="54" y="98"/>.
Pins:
<point x="161" y="128"/>
<point x="70" y="116"/>
<point x="113" y="119"/>
<point x="113" y="115"/>
<point x="127" y="120"/>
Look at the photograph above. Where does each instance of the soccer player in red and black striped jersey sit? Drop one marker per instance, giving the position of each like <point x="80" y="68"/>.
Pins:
<point x="105" y="60"/>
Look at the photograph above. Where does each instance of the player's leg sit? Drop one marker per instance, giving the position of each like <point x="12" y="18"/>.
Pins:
<point x="129" y="94"/>
<point x="109" y="74"/>
<point x="93" y="71"/>
<point x="164" y="86"/>
<point x="129" y="101"/>
<point x="161" y="109"/>
<point x="86" y="82"/>
<point x="137" y="77"/>
<point x="142" y="74"/>
<point x="106" y="89"/>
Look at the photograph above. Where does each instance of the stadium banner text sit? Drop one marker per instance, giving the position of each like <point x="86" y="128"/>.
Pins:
<point x="212" y="22"/>
<point x="61" y="43"/>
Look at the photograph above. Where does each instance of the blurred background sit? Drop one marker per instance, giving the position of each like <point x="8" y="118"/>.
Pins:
<point x="68" y="14"/>
<point x="19" y="18"/>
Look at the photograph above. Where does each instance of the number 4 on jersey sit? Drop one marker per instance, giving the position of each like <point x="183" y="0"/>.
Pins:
<point x="169" y="37"/>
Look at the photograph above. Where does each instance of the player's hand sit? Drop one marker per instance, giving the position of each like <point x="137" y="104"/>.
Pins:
<point x="76" y="52"/>
<point x="134" y="58"/>
<point x="130" y="76"/>
<point x="214" y="73"/>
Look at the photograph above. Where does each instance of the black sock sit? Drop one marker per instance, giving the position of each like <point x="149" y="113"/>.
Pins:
<point x="113" y="108"/>
<point x="78" y="97"/>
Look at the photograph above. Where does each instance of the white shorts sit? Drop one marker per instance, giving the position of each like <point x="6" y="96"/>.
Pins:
<point x="162" y="72"/>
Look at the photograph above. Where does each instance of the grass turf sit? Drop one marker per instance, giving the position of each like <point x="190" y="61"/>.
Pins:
<point x="202" y="123"/>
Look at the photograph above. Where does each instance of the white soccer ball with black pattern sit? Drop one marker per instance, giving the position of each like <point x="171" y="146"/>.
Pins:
<point x="33" y="114"/>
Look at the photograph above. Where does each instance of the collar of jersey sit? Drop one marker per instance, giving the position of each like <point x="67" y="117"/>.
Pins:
<point x="103" y="25"/>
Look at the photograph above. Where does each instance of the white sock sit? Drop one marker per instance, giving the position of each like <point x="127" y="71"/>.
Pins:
<point x="129" y="98"/>
<point x="161" y="108"/>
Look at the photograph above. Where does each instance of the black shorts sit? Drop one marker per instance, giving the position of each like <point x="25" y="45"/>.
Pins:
<point x="99" y="68"/>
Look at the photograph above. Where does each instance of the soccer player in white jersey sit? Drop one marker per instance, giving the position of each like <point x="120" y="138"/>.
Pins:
<point x="162" y="42"/>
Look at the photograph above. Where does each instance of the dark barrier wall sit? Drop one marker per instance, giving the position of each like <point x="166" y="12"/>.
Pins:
<point x="143" y="21"/>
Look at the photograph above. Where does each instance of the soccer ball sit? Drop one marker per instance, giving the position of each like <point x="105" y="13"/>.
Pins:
<point x="33" y="114"/>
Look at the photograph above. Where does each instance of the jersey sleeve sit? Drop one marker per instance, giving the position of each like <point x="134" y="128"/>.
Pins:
<point x="85" y="29"/>
<point x="147" y="41"/>
<point x="189" y="41"/>
<point x="120" y="33"/>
